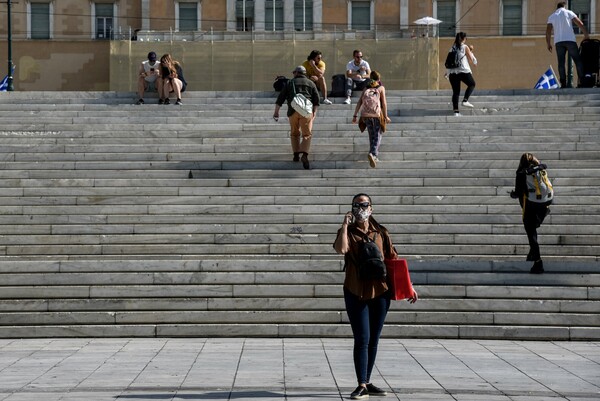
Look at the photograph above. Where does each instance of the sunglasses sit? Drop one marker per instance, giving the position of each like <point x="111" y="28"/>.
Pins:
<point x="362" y="205"/>
<point x="358" y="56"/>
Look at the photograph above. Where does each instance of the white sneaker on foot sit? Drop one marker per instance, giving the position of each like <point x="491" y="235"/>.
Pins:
<point x="372" y="160"/>
<point x="347" y="101"/>
<point x="327" y="101"/>
<point x="456" y="114"/>
<point x="466" y="103"/>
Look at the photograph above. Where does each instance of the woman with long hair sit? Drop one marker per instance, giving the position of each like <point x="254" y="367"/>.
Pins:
<point x="534" y="210"/>
<point x="367" y="300"/>
<point x="462" y="73"/>
<point x="173" y="81"/>
<point x="373" y="114"/>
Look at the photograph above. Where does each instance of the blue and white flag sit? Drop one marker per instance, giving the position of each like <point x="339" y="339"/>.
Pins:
<point x="4" y="84"/>
<point x="547" y="80"/>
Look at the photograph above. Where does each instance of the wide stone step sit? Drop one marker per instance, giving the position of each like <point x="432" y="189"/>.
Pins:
<point x="302" y="330"/>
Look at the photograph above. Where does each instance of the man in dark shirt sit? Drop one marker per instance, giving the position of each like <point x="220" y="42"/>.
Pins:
<point x="299" y="124"/>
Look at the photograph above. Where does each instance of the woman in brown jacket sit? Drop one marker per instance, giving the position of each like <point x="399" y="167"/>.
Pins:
<point x="367" y="301"/>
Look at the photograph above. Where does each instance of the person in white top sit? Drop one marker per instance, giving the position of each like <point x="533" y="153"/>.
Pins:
<point x="357" y="74"/>
<point x="148" y="73"/>
<point x="561" y="22"/>
<point x="462" y="73"/>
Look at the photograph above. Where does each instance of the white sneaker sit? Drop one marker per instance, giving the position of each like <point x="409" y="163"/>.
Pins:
<point x="372" y="160"/>
<point x="456" y="114"/>
<point x="327" y="101"/>
<point x="347" y="101"/>
<point x="466" y="103"/>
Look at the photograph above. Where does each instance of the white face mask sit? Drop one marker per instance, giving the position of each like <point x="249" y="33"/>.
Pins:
<point x="361" y="214"/>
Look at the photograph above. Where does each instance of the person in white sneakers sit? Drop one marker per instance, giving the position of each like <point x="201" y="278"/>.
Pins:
<point x="315" y="71"/>
<point x="373" y="115"/>
<point x="462" y="73"/>
<point x="357" y="75"/>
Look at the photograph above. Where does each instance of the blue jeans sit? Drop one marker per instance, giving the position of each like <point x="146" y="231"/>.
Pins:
<point x="561" y="54"/>
<point x="374" y="130"/>
<point x="366" y="320"/>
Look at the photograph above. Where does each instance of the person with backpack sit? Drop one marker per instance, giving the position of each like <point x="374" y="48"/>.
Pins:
<point x="535" y="193"/>
<point x="459" y="71"/>
<point x="373" y="115"/>
<point x="299" y="85"/>
<point x="367" y="298"/>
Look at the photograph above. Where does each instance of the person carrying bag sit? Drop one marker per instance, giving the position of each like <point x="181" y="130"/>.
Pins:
<point x="366" y="295"/>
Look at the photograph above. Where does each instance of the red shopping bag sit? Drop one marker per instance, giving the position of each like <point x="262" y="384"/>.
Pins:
<point x="399" y="279"/>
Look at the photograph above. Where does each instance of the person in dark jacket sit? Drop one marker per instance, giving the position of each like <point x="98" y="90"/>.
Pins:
<point x="533" y="212"/>
<point x="299" y="124"/>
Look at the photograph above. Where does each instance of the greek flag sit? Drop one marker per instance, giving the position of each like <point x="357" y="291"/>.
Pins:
<point x="547" y="80"/>
<point x="4" y="84"/>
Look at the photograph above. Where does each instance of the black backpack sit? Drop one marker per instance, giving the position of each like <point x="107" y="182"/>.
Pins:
<point x="453" y="58"/>
<point x="280" y="83"/>
<point x="338" y="85"/>
<point x="370" y="262"/>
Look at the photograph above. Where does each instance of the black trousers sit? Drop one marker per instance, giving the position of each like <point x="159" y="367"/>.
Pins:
<point x="455" y="80"/>
<point x="533" y="217"/>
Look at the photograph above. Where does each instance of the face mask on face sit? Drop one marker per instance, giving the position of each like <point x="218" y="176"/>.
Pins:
<point x="361" y="214"/>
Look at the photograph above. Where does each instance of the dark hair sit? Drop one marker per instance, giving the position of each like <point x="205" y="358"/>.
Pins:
<point x="459" y="38"/>
<point x="561" y="4"/>
<point x="361" y="194"/>
<point x="527" y="160"/>
<point x="314" y="54"/>
<point x="356" y="51"/>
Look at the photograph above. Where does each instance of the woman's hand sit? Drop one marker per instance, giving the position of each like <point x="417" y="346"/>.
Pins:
<point x="414" y="298"/>
<point x="347" y="218"/>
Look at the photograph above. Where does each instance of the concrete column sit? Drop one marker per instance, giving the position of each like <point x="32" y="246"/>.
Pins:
<point x="145" y="15"/>
<point x="404" y="14"/>
<point x="259" y="15"/>
<point x="231" y="19"/>
<point x="288" y="15"/>
<point x="317" y="15"/>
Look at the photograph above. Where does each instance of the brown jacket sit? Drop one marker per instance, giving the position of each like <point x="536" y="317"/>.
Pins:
<point x="366" y="289"/>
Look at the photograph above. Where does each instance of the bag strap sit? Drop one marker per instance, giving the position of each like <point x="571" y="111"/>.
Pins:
<point x="365" y="238"/>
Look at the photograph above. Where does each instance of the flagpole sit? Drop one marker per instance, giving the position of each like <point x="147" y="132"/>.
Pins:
<point x="10" y="77"/>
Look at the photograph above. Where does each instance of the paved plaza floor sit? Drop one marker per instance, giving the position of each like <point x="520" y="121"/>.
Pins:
<point x="100" y="369"/>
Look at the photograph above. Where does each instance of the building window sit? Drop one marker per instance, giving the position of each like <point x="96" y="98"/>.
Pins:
<point x="512" y="17"/>
<point x="187" y="16"/>
<point x="39" y="20"/>
<point x="360" y="17"/>
<point x="303" y="15"/>
<point x="446" y="12"/>
<point x="244" y="15"/>
<point x="104" y="14"/>
<point x="582" y="9"/>
<point x="274" y="12"/>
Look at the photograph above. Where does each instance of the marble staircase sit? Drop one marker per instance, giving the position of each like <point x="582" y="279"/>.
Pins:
<point x="125" y="220"/>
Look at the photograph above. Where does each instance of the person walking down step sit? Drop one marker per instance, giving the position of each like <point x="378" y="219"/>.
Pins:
<point x="461" y="72"/>
<point x="373" y="115"/>
<point x="299" y="124"/>
<point x="535" y="193"/>
<point x="366" y="293"/>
